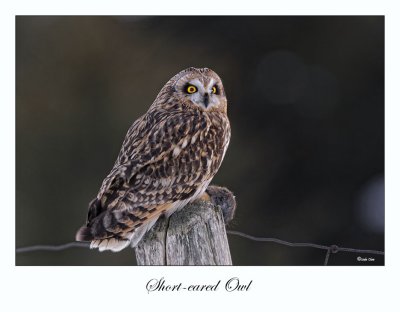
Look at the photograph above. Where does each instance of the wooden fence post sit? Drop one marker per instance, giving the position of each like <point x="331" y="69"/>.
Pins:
<point x="194" y="235"/>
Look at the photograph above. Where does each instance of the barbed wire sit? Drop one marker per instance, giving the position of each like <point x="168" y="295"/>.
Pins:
<point x="51" y="247"/>
<point x="333" y="249"/>
<point x="329" y="249"/>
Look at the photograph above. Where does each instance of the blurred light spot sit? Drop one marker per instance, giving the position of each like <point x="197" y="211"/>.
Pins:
<point x="371" y="205"/>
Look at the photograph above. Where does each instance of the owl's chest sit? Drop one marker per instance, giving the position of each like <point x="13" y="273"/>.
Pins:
<point x="212" y="141"/>
<point x="204" y="145"/>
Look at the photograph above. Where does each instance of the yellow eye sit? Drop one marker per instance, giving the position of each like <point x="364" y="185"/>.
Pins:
<point x="214" y="90"/>
<point x="191" y="89"/>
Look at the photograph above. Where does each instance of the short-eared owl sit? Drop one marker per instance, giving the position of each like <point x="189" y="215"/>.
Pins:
<point x="168" y="158"/>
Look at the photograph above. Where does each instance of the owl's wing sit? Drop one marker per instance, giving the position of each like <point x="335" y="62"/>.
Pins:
<point x="158" y="165"/>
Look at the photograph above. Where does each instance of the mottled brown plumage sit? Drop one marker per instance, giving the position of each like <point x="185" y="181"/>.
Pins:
<point x="167" y="159"/>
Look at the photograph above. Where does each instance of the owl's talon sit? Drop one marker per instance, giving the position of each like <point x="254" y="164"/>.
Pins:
<point x="204" y="197"/>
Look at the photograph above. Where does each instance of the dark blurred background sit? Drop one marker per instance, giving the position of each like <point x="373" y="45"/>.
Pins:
<point x="306" y="104"/>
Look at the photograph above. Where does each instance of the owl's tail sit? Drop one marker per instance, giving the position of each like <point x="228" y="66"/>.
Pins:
<point x="104" y="240"/>
<point x="85" y="234"/>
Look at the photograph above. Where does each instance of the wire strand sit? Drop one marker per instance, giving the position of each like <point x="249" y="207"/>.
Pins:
<point x="329" y="249"/>
<point x="277" y="240"/>
<point x="328" y="253"/>
<point x="51" y="247"/>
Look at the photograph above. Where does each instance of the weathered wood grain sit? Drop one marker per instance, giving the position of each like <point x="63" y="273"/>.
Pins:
<point x="193" y="236"/>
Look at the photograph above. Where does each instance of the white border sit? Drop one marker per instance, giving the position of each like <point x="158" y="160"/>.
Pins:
<point x="274" y="288"/>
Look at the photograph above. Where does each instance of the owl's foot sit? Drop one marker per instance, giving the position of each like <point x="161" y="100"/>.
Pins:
<point x="204" y="197"/>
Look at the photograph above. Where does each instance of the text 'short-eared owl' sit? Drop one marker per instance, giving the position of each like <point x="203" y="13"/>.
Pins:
<point x="167" y="160"/>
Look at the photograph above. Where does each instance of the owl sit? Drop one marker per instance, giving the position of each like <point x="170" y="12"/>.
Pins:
<point x="168" y="158"/>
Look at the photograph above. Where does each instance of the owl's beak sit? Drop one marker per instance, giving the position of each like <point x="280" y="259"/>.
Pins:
<point x="206" y="100"/>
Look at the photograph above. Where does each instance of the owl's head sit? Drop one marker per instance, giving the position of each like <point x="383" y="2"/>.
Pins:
<point x="199" y="88"/>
